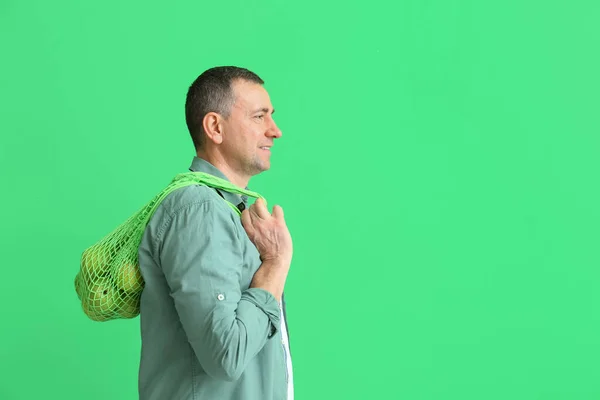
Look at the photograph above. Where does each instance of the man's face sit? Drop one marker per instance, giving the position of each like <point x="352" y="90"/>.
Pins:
<point x="250" y="130"/>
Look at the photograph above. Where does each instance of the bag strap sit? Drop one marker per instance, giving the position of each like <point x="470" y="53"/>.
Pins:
<point x="216" y="183"/>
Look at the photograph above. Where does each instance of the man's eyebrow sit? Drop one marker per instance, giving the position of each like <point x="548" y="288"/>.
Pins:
<point x="264" y="109"/>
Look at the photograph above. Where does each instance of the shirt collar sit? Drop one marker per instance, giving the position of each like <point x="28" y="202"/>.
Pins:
<point x="201" y="165"/>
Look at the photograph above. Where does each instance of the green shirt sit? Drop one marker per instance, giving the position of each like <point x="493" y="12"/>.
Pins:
<point x="205" y="334"/>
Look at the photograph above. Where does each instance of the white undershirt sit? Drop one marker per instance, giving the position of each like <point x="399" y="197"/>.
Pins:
<point x="286" y="346"/>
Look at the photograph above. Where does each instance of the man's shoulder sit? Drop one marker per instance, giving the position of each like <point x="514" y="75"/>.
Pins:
<point x="189" y="196"/>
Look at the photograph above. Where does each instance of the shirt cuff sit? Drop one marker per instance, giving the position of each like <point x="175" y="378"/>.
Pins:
<point x="266" y="302"/>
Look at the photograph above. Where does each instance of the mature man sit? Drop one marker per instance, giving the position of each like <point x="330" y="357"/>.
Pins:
<point x="212" y="311"/>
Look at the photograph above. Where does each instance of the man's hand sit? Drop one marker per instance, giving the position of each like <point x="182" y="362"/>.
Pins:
<point x="270" y="235"/>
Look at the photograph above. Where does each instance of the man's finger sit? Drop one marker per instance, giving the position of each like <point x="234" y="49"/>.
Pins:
<point x="261" y="209"/>
<point x="247" y="220"/>
<point x="278" y="212"/>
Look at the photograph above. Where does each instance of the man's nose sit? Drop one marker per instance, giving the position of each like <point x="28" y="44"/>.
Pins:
<point x="274" y="130"/>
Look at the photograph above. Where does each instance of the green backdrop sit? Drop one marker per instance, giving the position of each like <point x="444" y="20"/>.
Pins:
<point x="438" y="169"/>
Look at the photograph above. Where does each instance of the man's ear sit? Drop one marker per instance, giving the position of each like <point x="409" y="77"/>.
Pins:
<point x="213" y="127"/>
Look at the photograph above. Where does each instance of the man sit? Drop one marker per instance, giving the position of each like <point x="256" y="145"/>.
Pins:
<point x="212" y="310"/>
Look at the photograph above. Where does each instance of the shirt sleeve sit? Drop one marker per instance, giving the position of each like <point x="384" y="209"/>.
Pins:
<point x="201" y="256"/>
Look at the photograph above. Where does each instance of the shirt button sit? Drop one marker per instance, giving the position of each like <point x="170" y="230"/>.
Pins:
<point x="220" y="297"/>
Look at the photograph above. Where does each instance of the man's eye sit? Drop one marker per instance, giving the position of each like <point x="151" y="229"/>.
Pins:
<point x="260" y="116"/>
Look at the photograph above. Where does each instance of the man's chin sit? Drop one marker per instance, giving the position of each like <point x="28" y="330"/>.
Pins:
<point x="261" y="167"/>
<point x="265" y="168"/>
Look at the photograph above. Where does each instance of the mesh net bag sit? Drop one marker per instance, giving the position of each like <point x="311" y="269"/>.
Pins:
<point x="109" y="283"/>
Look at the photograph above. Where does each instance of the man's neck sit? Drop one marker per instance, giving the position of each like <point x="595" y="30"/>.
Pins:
<point x="219" y="162"/>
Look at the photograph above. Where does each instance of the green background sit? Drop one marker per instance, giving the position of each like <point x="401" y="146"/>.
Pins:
<point x="438" y="169"/>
